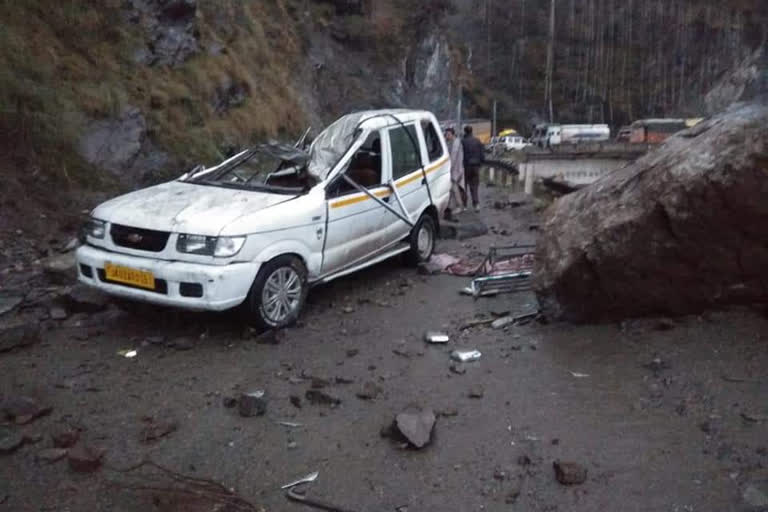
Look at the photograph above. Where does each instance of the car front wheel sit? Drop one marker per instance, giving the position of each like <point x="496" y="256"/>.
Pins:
<point x="278" y="293"/>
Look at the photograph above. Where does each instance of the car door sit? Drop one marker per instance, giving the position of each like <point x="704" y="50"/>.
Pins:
<point x="410" y="146"/>
<point x="354" y="219"/>
<point x="403" y="146"/>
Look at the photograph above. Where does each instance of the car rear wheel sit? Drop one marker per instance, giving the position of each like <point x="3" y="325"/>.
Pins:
<point x="422" y="240"/>
<point x="278" y="293"/>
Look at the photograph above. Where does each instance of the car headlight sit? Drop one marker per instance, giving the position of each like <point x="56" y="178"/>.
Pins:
<point x="196" y="244"/>
<point x="227" y="246"/>
<point x="95" y="228"/>
<point x="221" y="247"/>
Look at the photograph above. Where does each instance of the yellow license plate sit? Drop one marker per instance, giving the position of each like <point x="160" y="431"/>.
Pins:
<point x="128" y="275"/>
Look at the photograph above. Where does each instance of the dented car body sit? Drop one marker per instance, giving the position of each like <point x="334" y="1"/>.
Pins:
<point x="261" y="227"/>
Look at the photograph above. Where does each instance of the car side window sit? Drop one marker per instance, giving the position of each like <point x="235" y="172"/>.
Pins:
<point x="434" y="147"/>
<point x="364" y="168"/>
<point x="406" y="155"/>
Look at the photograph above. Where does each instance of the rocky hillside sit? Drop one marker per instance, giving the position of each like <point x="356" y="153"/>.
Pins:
<point x="124" y="92"/>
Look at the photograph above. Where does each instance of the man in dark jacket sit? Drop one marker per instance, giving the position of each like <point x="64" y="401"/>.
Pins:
<point x="474" y="157"/>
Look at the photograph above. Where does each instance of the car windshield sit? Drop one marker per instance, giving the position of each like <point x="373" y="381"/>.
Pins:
<point x="260" y="169"/>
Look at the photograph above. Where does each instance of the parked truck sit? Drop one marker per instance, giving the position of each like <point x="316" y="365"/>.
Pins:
<point x="546" y="135"/>
<point x="655" y="131"/>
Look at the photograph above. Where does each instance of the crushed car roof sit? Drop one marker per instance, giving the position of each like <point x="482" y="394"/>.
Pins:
<point x="328" y="148"/>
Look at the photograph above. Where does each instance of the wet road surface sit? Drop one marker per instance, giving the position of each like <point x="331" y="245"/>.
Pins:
<point x="654" y="409"/>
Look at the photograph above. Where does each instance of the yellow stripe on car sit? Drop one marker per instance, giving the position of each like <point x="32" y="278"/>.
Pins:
<point x="405" y="180"/>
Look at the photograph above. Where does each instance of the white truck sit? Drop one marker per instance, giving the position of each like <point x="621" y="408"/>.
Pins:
<point x="547" y="135"/>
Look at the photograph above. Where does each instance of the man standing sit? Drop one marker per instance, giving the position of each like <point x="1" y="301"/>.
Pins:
<point x="474" y="156"/>
<point x="458" y="196"/>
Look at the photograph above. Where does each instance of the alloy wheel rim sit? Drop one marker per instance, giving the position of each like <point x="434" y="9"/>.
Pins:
<point x="281" y="295"/>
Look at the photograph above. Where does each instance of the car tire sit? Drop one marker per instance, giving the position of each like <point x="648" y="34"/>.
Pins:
<point x="278" y="293"/>
<point x="422" y="240"/>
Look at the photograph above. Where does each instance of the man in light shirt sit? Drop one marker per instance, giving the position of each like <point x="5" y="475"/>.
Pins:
<point x="458" y="199"/>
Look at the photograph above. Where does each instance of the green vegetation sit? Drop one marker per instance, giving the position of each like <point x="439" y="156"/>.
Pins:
<point x="65" y="63"/>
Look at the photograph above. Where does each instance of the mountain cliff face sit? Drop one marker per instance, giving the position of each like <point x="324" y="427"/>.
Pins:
<point x="132" y="91"/>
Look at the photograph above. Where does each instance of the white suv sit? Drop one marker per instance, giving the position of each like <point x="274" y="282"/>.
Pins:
<point x="514" y="143"/>
<point x="261" y="227"/>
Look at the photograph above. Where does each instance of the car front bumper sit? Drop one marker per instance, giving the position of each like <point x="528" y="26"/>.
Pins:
<point x="219" y="287"/>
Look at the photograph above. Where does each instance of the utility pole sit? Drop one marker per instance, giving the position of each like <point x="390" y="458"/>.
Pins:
<point x="493" y="124"/>
<point x="550" y="60"/>
<point x="458" y="114"/>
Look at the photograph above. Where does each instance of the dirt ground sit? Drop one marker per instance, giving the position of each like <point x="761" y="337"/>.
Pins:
<point x="666" y="415"/>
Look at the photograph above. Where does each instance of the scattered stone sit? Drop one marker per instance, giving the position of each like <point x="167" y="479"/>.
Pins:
<point x="499" y="474"/>
<point x="754" y="418"/>
<point x="317" y="397"/>
<point x="270" y="337"/>
<point x="570" y="473"/>
<point x="252" y="404"/>
<point x="512" y="495"/>
<point x="656" y="365"/>
<point x="32" y="438"/>
<point x="295" y="401"/>
<point x="9" y="302"/>
<point x="458" y="368"/>
<point x="318" y="383"/>
<point x="10" y="441"/>
<point x="416" y="425"/>
<point x="524" y="460"/>
<point x="58" y="313"/>
<point x="348" y="309"/>
<point x="65" y="438"/>
<point x="51" y="455"/>
<point x="155" y="430"/>
<point x="352" y="352"/>
<point x="402" y="353"/>
<point x="85" y="299"/>
<point x="502" y="322"/>
<point x="61" y="268"/>
<point x="17" y="337"/>
<point x="370" y="391"/>
<point x="23" y="409"/>
<point x="229" y="402"/>
<point x="344" y="380"/>
<point x="71" y="245"/>
<point x="84" y="459"/>
<point x="292" y="445"/>
<point x="295" y="380"/>
<point x="447" y="412"/>
<point x="476" y="392"/>
<point x="156" y="340"/>
<point x="756" y="494"/>
<point x="664" y="325"/>
<point x="183" y="343"/>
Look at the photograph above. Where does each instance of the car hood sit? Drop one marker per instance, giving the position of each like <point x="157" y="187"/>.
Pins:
<point x="185" y="207"/>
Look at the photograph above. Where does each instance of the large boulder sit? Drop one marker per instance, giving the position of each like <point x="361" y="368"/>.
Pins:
<point x="681" y="230"/>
